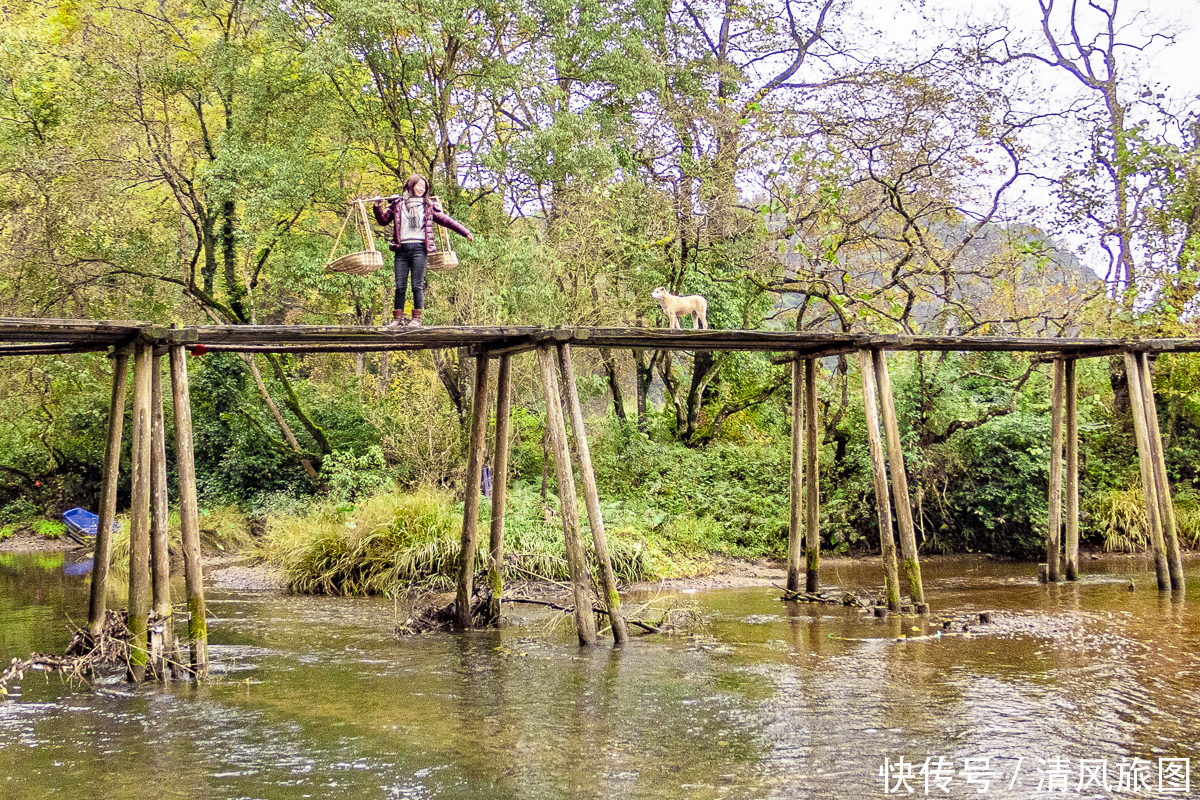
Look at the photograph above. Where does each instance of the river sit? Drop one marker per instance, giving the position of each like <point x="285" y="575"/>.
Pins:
<point x="314" y="697"/>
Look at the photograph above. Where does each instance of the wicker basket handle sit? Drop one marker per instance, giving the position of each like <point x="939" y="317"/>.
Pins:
<point x="338" y="240"/>
<point x="368" y="235"/>
<point x="358" y="210"/>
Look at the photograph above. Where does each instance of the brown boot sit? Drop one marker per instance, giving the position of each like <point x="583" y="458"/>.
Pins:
<point x="415" y="322"/>
<point x="397" y="319"/>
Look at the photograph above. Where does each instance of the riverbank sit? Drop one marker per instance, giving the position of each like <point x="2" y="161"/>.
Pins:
<point x="26" y="541"/>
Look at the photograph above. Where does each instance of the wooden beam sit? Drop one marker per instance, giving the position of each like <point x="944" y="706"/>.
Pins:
<point x="812" y="506"/>
<point x="1071" y="544"/>
<point x="1054" y="529"/>
<point x="1162" y="485"/>
<point x="585" y="622"/>
<point x="591" y="498"/>
<point x="189" y="512"/>
<point x="999" y="344"/>
<point x="139" y="516"/>
<point x="1137" y="400"/>
<point x="796" y="518"/>
<point x="108" y="498"/>
<point x="470" y="526"/>
<point x="50" y="348"/>
<point x="887" y="541"/>
<point x="900" y="498"/>
<point x="162" y="646"/>
<point x="500" y="485"/>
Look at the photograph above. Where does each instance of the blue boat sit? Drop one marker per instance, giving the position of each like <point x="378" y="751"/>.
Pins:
<point x="83" y="522"/>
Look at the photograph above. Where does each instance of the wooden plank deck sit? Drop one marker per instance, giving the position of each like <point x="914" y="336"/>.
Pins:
<point x="49" y="336"/>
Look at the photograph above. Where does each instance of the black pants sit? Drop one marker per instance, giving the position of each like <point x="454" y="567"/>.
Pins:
<point x="410" y="260"/>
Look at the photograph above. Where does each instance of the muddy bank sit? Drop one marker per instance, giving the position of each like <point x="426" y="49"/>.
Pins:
<point x="238" y="574"/>
<point x="26" y="541"/>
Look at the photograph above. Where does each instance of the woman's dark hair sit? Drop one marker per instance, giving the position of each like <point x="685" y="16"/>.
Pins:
<point x="412" y="181"/>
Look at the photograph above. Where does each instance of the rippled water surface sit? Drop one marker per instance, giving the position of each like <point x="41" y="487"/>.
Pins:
<point x="314" y="697"/>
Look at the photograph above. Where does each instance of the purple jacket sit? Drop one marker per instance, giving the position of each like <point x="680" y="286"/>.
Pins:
<point x="392" y="216"/>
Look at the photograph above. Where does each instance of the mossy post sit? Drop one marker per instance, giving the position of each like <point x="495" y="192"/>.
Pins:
<point x="139" y="514"/>
<point x="1071" y="503"/>
<point x="1145" y="462"/>
<point x="1161" y="483"/>
<point x="904" y="519"/>
<point x="500" y="485"/>
<point x="108" y="496"/>
<point x="189" y="511"/>
<point x="887" y="541"/>
<point x="591" y="498"/>
<point x="585" y="618"/>
<point x="812" y="524"/>
<point x="1054" y="529"/>
<point x="162" y="646"/>
<point x="796" y="520"/>
<point x="470" y="526"/>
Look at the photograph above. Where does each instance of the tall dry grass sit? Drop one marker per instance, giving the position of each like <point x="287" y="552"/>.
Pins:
<point x="222" y="529"/>
<point x="1119" y="517"/>
<point x="392" y="541"/>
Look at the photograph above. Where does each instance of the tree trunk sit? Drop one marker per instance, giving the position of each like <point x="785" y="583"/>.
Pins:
<point x="614" y="383"/>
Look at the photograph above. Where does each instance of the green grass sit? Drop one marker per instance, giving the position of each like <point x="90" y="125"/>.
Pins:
<point x="48" y="528"/>
<point x="7" y="531"/>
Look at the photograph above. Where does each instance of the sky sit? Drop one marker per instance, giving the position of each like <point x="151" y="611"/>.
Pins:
<point x="1175" y="65"/>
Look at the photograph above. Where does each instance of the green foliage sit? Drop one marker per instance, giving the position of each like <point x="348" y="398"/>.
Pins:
<point x="740" y="489"/>
<point x="998" y="503"/>
<point x="48" y="528"/>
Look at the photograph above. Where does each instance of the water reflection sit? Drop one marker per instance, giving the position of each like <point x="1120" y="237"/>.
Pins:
<point x="314" y="697"/>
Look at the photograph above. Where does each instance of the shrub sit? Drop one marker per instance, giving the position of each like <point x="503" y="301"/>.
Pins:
<point x="48" y="528"/>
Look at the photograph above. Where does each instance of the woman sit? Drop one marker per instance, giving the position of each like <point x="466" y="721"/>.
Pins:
<point x="411" y="216"/>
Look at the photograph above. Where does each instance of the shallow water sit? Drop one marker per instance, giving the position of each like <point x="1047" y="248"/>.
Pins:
<point x="313" y="697"/>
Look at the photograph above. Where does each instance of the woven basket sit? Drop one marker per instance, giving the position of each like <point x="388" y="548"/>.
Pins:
<point x="365" y="261"/>
<point x="362" y="263"/>
<point x="445" y="258"/>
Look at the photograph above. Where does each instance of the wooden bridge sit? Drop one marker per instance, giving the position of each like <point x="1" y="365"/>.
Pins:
<point x="146" y="344"/>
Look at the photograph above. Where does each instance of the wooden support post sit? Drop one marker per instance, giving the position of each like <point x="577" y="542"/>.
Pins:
<point x="470" y="526"/>
<point x="812" y="523"/>
<point x="1162" y="485"/>
<point x="162" y="634"/>
<point x="887" y="542"/>
<point x="796" y="520"/>
<point x="189" y="511"/>
<point x="591" y="498"/>
<point x="1146" y="463"/>
<point x="108" y="497"/>
<point x="1071" y="505"/>
<point x="500" y="485"/>
<point x="585" y="621"/>
<point x="139" y="515"/>
<point x="1053" y="545"/>
<point x="904" y="520"/>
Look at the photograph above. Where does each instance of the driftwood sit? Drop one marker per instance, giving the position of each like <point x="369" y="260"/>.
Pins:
<point x="846" y="599"/>
<point x="571" y="610"/>
<point x="84" y="655"/>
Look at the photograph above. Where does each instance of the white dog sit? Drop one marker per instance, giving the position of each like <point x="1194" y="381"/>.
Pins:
<point x="677" y="307"/>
